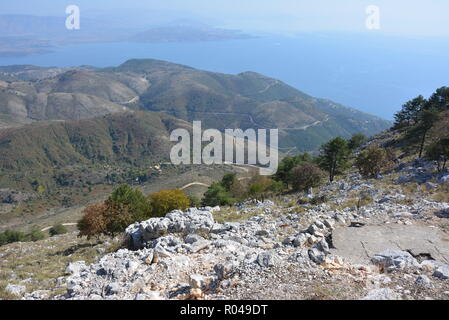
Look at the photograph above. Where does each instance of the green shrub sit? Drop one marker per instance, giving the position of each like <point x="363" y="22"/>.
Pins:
<point x="306" y="176"/>
<point x="372" y="161"/>
<point x="217" y="195"/>
<point x="334" y="157"/>
<point x="262" y="186"/>
<point x="35" y="235"/>
<point x="283" y="173"/>
<point x="439" y="151"/>
<point x="165" y="201"/>
<point x="133" y="200"/>
<point x="57" y="229"/>
<point x="195" y="202"/>
<point x="3" y="239"/>
<point x="228" y="180"/>
<point x="126" y="206"/>
<point x="356" y="141"/>
<point x="117" y="217"/>
<point x="10" y="236"/>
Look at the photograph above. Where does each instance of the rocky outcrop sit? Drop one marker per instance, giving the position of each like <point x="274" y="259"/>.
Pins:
<point x="392" y="247"/>
<point x="395" y="259"/>
<point x="193" y="221"/>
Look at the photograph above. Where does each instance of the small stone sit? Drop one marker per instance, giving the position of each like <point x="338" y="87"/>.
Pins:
<point x="320" y="225"/>
<point x="197" y="294"/>
<point x="317" y="255"/>
<point x="312" y="239"/>
<point x="149" y="258"/>
<point x="160" y="253"/>
<point x="196" y="281"/>
<point x="101" y="250"/>
<point x="382" y="294"/>
<point x="299" y="240"/>
<point x="262" y="233"/>
<point x="132" y="266"/>
<point x="224" y="270"/>
<point x="154" y="295"/>
<point x="428" y="265"/>
<point x="16" y="290"/>
<point x="289" y="240"/>
<point x="198" y="246"/>
<point x="329" y="223"/>
<point x="75" y="267"/>
<point x="191" y="238"/>
<point x="340" y="220"/>
<point x="319" y="235"/>
<point x="267" y="259"/>
<point x="313" y="229"/>
<point x="442" y="272"/>
<point x="112" y="288"/>
<point x="423" y="281"/>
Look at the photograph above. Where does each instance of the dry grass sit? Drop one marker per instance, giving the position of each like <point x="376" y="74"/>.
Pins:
<point x="42" y="262"/>
<point x="232" y="215"/>
<point x="441" y="194"/>
<point x="358" y="201"/>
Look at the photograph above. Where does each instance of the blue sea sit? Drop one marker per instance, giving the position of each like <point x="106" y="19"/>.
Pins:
<point x="372" y="73"/>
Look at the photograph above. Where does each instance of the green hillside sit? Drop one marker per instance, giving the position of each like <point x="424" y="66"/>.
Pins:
<point x="246" y="100"/>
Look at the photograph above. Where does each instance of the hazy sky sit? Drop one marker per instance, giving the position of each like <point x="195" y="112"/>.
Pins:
<point x="405" y="17"/>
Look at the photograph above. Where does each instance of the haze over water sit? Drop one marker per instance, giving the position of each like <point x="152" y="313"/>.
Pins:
<point x="372" y="74"/>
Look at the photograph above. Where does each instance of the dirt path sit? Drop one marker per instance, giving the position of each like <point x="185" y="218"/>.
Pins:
<point x="196" y="183"/>
<point x="64" y="224"/>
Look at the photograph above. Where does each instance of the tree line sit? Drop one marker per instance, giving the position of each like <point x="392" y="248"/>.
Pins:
<point x="419" y="119"/>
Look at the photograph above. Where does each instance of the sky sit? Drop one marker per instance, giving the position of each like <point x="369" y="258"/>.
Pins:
<point x="397" y="17"/>
<point x="408" y="59"/>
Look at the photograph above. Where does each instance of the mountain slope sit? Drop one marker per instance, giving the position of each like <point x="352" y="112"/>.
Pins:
<point x="24" y="102"/>
<point x="41" y="150"/>
<point x="245" y="100"/>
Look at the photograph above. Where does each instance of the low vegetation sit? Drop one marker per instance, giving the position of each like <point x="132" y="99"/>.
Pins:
<point x="11" y="236"/>
<point x="57" y="230"/>
<point x="374" y="160"/>
<point x="165" y="201"/>
<point x="423" y="122"/>
<point x="306" y="176"/>
<point x="126" y="206"/>
<point x="231" y="190"/>
<point x="439" y="151"/>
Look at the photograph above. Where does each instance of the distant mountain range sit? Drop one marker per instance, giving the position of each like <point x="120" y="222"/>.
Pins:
<point x="27" y="34"/>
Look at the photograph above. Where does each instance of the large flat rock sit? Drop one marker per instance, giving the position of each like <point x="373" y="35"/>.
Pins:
<point x="358" y="245"/>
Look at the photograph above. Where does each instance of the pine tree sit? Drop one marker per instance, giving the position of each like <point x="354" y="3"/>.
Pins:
<point x="334" y="157"/>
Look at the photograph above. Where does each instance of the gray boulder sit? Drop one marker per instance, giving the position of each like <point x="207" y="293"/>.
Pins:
<point x="225" y="270"/>
<point x="190" y="221"/>
<point x="395" y="259"/>
<point x="442" y="272"/>
<point x="197" y="281"/>
<point x="75" y="267"/>
<point x="267" y="259"/>
<point x="319" y="252"/>
<point x="444" y="178"/>
<point x="423" y="281"/>
<point x="316" y="255"/>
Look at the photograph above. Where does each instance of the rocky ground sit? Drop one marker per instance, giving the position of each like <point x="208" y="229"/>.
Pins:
<point x="384" y="238"/>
